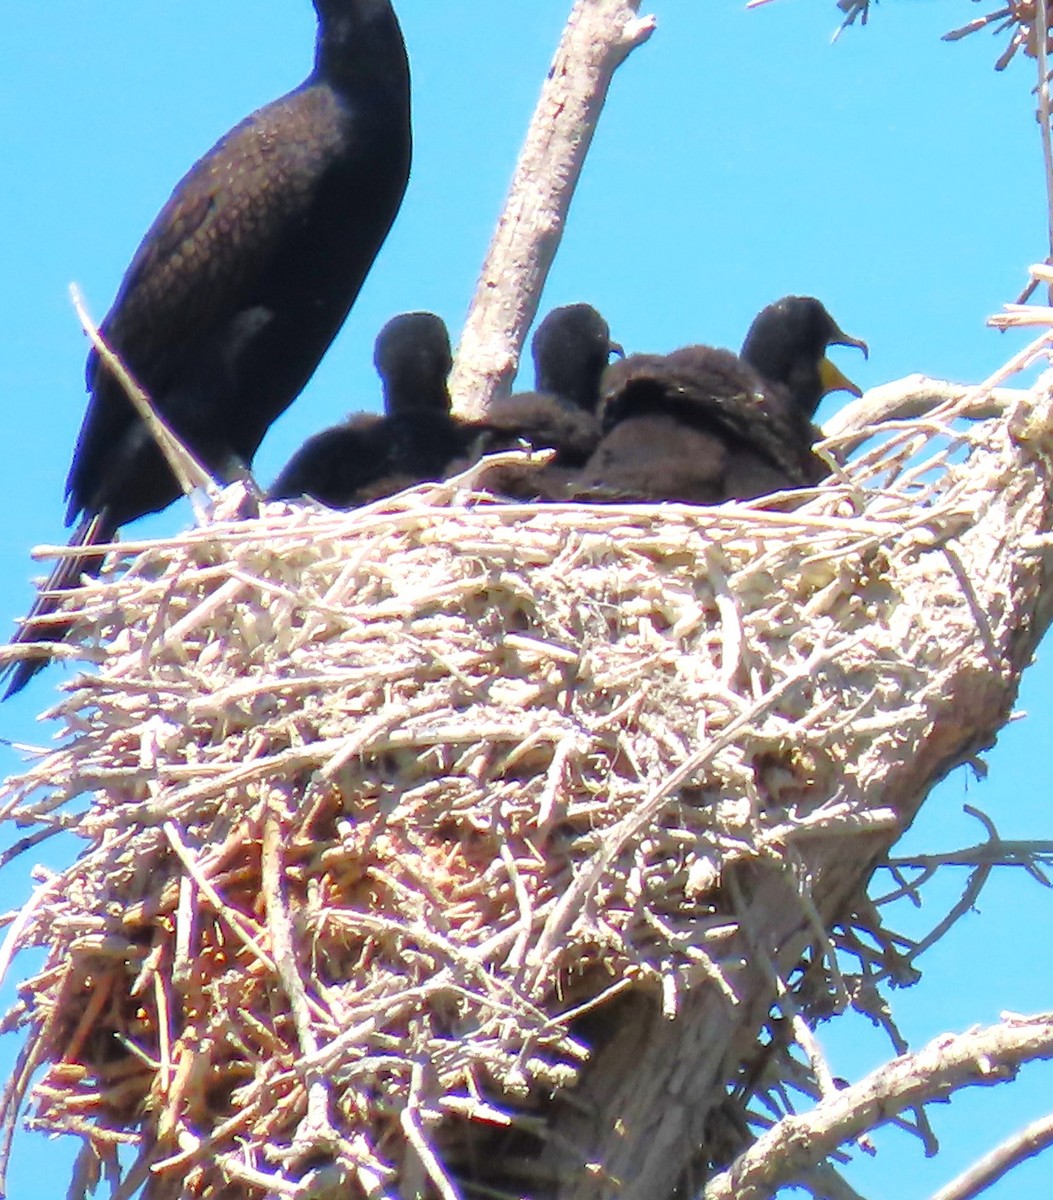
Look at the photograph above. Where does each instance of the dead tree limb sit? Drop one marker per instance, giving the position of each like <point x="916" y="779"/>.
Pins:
<point x="946" y="1064"/>
<point x="1031" y="1140"/>
<point x="598" y="37"/>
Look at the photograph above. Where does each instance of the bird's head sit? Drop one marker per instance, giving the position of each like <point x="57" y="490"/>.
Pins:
<point x="359" y="41"/>
<point x="571" y="349"/>
<point x="412" y="357"/>
<point x="787" y="344"/>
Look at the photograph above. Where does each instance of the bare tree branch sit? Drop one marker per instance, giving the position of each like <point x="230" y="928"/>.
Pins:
<point x="915" y="396"/>
<point x="1023" y="1144"/>
<point x="826" y="1183"/>
<point x="996" y="851"/>
<point x="946" y="1064"/>
<point x="983" y="860"/>
<point x="598" y="37"/>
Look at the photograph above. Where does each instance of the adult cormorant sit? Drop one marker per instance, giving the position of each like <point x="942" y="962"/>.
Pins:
<point x="241" y="283"/>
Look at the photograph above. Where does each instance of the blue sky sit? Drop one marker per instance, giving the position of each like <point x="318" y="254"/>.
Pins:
<point x="741" y="156"/>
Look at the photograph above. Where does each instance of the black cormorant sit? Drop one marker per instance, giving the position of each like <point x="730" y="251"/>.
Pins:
<point x="702" y="425"/>
<point x="787" y="344"/>
<point x="571" y="349"/>
<point x="242" y="282"/>
<point x="369" y="456"/>
<point x="413" y="359"/>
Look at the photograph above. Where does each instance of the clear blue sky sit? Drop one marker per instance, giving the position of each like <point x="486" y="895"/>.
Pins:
<point x="742" y="156"/>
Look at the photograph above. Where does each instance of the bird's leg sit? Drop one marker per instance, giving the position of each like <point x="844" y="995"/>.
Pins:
<point x="238" y="471"/>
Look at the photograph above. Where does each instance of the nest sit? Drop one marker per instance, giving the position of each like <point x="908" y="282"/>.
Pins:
<point x="380" y="810"/>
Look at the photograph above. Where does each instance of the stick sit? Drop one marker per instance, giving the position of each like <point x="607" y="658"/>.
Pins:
<point x="189" y="473"/>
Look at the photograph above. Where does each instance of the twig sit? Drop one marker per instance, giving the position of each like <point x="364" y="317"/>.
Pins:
<point x="237" y="923"/>
<point x="911" y="397"/>
<point x="13" y="937"/>
<point x="189" y="473"/>
<point x="413" y="1128"/>
<point x="317" y="1130"/>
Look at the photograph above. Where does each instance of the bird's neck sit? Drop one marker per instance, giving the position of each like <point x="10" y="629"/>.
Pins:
<point x="359" y="49"/>
<point x="575" y="388"/>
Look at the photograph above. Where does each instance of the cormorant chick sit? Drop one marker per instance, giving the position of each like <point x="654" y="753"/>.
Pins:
<point x="242" y="282"/>
<point x="787" y="344"/>
<point x="370" y="456"/>
<point x="571" y="349"/>
<point x="701" y="425"/>
<point x="413" y="359"/>
<point x="331" y="466"/>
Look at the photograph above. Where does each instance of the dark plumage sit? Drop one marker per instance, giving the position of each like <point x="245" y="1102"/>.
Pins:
<point x="571" y="349"/>
<point x="332" y="465"/>
<point x="413" y="359"/>
<point x="242" y="282"/>
<point x="701" y="425"/>
<point x="787" y="344"/>
<point x="372" y="456"/>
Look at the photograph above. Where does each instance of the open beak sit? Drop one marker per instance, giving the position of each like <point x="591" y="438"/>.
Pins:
<point x="834" y="379"/>
<point x="617" y="349"/>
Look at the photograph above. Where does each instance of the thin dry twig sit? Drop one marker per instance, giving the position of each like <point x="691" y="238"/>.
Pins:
<point x="188" y="471"/>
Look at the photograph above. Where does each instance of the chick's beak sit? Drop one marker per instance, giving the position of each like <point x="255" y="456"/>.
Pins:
<point x="844" y="339"/>
<point x="833" y="378"/>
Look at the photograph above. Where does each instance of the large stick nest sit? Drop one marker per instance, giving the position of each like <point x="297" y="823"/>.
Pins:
<point x="376" y="806"/>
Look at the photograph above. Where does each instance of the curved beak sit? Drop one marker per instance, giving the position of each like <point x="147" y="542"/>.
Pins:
<point x="841" y="338"/>
<point x="617" y="349"/>
<point x="832" y="377"/>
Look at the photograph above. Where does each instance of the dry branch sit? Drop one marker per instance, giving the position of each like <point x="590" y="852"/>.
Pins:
<point x="917" y="396"/>
<point x="598" y="37"/>
<point x="187" y="470"/>
<point x="948" y="1063"/>
<point x="1024" y="1144"/>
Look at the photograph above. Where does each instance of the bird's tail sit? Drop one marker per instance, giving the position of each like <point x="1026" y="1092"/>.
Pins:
<point x="44" y="625"/>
